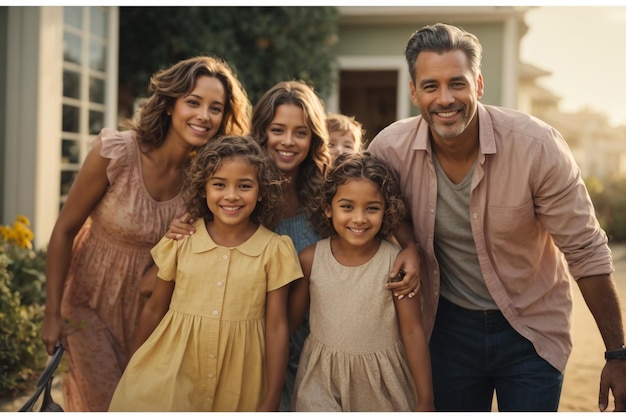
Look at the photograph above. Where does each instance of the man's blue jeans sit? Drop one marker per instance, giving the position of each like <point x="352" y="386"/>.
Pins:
<point x="474" y="353"/>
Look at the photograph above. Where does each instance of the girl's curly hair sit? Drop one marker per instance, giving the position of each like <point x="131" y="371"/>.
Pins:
<point x="210" y="158"/>
<point x="360" y="166"/>
<point x="168" y="85"/>
<point x="313" y="168"/>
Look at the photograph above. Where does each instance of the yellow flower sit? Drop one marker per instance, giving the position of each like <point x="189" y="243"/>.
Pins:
<point x="20" y="218"/>
<point x="20" y="234"/>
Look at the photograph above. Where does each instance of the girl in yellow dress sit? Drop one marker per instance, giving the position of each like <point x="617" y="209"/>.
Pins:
<point x="214" y="334"/>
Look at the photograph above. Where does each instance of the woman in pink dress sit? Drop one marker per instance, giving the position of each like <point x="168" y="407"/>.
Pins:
<point x="120" y="205"/>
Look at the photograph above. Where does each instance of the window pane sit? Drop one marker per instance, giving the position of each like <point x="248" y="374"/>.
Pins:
<point x="70" y="118"/>
<point x="71" y="48"/>
<point x="96" y="90"/>
<point x="73" y="16"/>
<point x="97" y="56"/>
<point x="67" y="178"/>
<point x="70" y="152"/>
<point x="98" y="20"/>
<point x="71" y="84"/>
<point x="96" y="122"/>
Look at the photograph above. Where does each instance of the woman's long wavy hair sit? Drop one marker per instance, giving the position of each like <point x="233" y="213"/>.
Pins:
<point x="210" y="158"/>
<point x="311" y="172"/>
<point x="168" y="85"/>
<point x="357" y="166"/>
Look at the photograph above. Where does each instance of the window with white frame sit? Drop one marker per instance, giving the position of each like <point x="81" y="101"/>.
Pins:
<point x="85" y="53"/>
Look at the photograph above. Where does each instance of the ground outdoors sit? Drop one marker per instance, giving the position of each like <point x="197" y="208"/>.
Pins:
<point x="582" y="376"/>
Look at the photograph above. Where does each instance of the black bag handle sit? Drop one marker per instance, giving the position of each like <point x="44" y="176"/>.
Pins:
<point x="44" y="384"/>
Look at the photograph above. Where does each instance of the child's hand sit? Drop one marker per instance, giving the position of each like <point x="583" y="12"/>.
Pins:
<point x="181" y="227"/>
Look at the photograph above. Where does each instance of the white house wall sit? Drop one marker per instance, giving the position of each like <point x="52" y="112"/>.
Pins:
<point x="33" y="128"/>
<point x="22" y="114"/>
<point x="49" y="124"/>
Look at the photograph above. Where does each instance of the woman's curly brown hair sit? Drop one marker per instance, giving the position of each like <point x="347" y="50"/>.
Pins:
<point x="313" y="168"/>
<point x="210" y="158"/>
<point x="360" y="166"/>
<point x="168" y="85"/>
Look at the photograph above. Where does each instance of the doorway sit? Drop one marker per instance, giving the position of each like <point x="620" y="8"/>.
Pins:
<point x="369" y="96"/>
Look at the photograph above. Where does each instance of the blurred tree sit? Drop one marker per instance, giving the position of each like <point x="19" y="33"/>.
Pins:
<point x="609" y="200"/>
<point x="263" y="45"/>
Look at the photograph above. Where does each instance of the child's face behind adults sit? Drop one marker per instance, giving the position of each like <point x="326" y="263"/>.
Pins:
<point x="341" y="142"/>
<point x="197" y="117"/>
<point x="446" y="92"/>
<point x="288" y="138"/>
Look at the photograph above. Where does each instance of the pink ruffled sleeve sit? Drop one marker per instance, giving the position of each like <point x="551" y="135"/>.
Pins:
<point x="119" y="147"/>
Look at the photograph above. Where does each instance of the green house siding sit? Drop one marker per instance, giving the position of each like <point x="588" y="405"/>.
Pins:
<point x="390" y="40"/>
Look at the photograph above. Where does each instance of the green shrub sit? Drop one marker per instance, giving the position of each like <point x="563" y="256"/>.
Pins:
<point x="22" y="278"/>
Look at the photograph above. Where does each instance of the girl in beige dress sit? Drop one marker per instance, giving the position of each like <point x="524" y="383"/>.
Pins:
<point x="366" y="350"/>
<point x="215" y="328"/>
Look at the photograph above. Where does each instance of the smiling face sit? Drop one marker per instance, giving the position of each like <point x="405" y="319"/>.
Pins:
<point x="357" y="211"/>
<point x="196" y="117"/>
<point x="446" y="92"/>
<point x="288" y="138"/>
<point x="232" y="192"/>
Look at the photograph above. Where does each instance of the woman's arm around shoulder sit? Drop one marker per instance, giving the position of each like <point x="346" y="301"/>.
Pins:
<point x="181" y="227"/>
<point x="416" y="348"/>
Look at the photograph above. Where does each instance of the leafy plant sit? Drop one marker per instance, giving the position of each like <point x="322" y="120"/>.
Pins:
<point x="264" y="45"/>
<point x="22" y="278"/>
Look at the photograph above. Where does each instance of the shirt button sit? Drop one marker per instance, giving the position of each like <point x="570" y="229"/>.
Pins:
<point x="212" y="355"/>
<point x="225" y="256"/>
<point x="475" y="215"/>
<point x="211" y="375"/>
<point x="220" y="283"/>
<point x="215" y="312"/>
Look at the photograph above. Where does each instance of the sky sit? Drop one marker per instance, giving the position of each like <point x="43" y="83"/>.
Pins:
<point x="583" y="47"/>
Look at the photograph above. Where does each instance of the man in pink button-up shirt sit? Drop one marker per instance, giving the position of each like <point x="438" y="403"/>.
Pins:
<point x="503" y="222"/>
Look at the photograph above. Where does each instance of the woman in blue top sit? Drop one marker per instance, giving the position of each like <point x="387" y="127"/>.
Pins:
<point x="290" y="122"/>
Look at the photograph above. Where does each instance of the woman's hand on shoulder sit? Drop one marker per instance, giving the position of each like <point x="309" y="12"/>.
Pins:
<point x="181" y="227"/>
<point x="407" y="262"/>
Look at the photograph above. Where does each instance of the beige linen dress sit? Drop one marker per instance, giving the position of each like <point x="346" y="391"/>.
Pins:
<point x="208" y="351"/>
<point x="101" y="303"/>
<point x="353" y="359"/>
